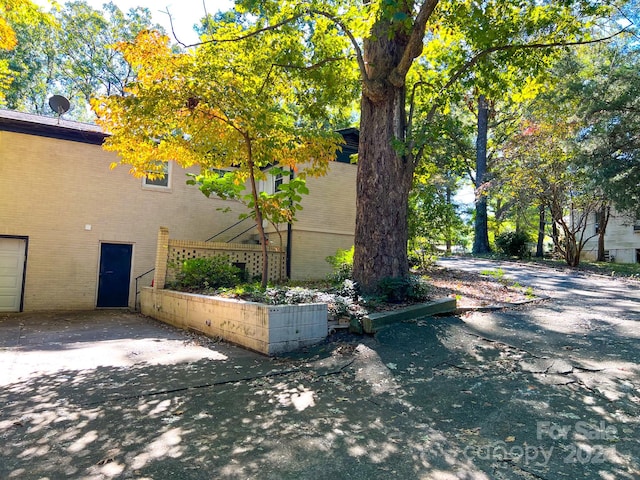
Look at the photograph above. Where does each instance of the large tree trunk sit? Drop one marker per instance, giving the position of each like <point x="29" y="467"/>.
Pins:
<point x="603" y="220"/>
<point x="385" y="172"/>
<point x="448" y="235"/>
<point x="384" y="181"/>
<point x="384" y="175"/>
<point x="481" y="229"/>
<point x="541" y="229"/>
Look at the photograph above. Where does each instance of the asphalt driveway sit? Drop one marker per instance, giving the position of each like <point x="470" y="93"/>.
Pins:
<point x="545" y="391"/>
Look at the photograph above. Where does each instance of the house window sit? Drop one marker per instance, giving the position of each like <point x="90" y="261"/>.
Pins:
<point x="271" y="184"/>
<point x="160" y="183"/>
<point x="278" y="180"/>
<point x="218" y="172"/>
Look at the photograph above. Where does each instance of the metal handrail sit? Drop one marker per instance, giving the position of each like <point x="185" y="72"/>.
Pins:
<point x="138" y="291"/>
<point x="242" y="233"/>
<point x="229" y="228"/>
<point x="208" y="240"/>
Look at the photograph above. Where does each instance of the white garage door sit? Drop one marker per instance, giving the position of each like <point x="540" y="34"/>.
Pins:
<point x="12" y="252"/>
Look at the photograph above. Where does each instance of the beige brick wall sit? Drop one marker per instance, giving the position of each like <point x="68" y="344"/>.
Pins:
<point x="331" y="203"/>
<point x="309" y="250"/>
<point x="50" y="189"/>
<point x="326" y="222"/>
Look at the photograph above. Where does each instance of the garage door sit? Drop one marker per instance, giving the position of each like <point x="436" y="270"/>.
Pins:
<point x="12" y="255"/>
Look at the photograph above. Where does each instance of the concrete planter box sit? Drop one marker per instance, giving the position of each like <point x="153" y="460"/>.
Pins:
<point x="268" y="329"/>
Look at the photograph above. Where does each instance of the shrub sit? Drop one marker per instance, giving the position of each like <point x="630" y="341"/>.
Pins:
<point x="208" y="273"/>
<point x="513" y="244"/>
<point x="399" y="289"/>
<point x="421" y="259"/>
<point x="342" y="263"/>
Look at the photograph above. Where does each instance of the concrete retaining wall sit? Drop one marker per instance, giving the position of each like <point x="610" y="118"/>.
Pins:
<point x="268" y="329"/>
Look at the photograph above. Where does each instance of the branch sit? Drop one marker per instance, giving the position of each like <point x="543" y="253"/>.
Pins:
<point x="235" y="39"/>
<point x="204" y="7"/>
<point x="347" y="32"/>
<point x="472" y="177"/>
<point x="476" y="58"/>
<point x="299" y="67"/>
<point x="626" y="17"/>
<point x="415" y="45"/>
<point x="266" y="79"/>
<point x="173" y="32"/>
<point x="286" y="21"/>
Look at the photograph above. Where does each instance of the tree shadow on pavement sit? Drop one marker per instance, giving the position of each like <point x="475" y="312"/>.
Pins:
<point x="432" y="399"/>
<point x="538" y="416"/>
<point x="138" y="422"/>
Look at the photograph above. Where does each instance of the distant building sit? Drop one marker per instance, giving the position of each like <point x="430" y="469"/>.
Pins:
<point x="621" y="239"/>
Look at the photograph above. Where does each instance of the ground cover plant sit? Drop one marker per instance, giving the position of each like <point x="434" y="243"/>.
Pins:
<point x="216" y="276"/>
<point x="342" y="295"/>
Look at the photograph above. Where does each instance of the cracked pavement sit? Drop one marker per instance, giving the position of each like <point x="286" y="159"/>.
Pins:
<point x="548" y="390"/>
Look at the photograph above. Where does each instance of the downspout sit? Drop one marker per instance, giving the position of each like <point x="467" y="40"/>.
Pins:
<point x="289" y="238"/>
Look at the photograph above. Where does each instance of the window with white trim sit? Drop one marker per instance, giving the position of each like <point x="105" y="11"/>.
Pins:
<point x="271" y="184"/>
<point x="159" y="183"/>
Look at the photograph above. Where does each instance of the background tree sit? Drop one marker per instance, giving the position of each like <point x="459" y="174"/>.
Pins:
<point x="434" y="219"/>
<point x="543" y="158"/>
<point x="433" y="215"/>
<point x="610" y="110"/>
<point x="594" y="87"/>
<point x="14" y="15"/>
<point x="68" y="53"/>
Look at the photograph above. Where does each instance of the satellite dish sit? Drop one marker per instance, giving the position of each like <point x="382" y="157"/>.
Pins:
<point x="59" y="104"/>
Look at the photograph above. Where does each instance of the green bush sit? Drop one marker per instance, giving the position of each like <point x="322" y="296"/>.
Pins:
<point x="421" y="259"/>
<point x="513" y="244"/>
<point x="342" y="263"/>
<point x="208" y="273"/>
<point x="399" y="289"/>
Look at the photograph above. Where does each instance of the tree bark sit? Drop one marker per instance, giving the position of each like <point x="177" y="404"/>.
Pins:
<point x="603" y="220"/>
<point x="481" y="229"/>
<point x="555" y="235"/>
<point x="384" y="181"/>
<point x="384" y="173"/>
<point x="541" y="229"/>
<point x="448" y="235"/>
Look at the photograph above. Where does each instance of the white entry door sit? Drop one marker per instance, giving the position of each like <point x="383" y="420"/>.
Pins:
<point x="12" y="254"/>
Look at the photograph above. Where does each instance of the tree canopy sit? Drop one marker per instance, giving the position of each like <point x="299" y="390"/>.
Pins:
<point x="223" y="105"/>
<point x="67" y="52"/>
<point x="610" y="111"/>
<point x="14" y="14"/>
<point x="411" y="59"/>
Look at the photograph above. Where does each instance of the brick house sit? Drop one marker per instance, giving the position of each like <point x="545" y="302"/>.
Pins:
<point x="76" y="235"/>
